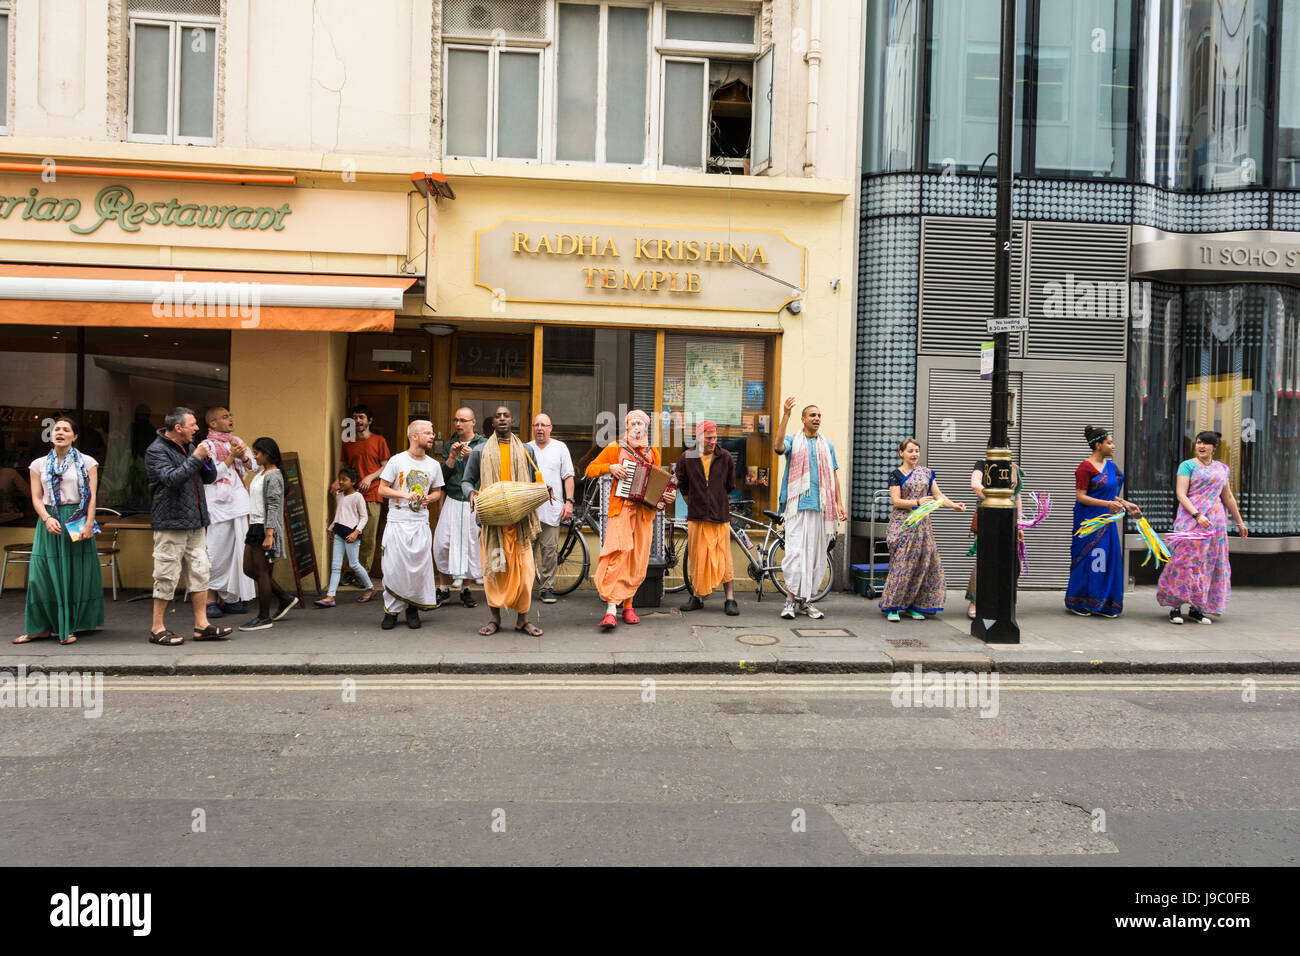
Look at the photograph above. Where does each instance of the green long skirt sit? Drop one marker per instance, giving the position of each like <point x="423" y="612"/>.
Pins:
<point x="65" y="587"/>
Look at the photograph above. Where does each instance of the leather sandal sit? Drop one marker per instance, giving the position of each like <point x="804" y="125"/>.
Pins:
<point x="529" y="628"/>
<point x="213" y="633"/>
<point x="166" y="638"/>
<point x="28" y="638"/>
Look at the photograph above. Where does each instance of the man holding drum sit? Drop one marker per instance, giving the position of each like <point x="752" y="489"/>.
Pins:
<point x="506" y="550"/>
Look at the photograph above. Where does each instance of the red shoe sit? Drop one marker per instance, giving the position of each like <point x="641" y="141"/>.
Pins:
<point x="607" y="623"/>
<point x="630" y="617"/>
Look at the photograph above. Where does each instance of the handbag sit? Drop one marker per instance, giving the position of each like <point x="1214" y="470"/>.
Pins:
<point x="341" y="530"/>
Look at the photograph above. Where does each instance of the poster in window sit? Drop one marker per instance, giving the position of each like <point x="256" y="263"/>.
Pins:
<point x="715" y="382"/>
<point x="674" y="391"/>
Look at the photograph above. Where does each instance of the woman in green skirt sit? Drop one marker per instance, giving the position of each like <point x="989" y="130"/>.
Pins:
<point x="65" y="589"/>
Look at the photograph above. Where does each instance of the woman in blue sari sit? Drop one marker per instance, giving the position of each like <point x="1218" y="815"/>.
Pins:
<point x="1097" y="560"/>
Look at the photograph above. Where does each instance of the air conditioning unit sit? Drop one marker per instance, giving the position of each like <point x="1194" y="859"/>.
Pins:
<point x="490" y="18"/>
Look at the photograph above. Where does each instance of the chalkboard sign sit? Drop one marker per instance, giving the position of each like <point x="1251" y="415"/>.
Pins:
<point x="302" y="550"/>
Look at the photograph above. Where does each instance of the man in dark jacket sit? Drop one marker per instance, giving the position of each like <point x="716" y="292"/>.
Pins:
<point x="179" y="518"/>
<point x="706" y="476"/>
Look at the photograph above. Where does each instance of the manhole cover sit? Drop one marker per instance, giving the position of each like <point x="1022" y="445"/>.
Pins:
<point x="905" y="642"/>
<point x="757" y="640"/>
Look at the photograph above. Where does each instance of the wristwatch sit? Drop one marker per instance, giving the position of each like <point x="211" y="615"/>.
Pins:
<point x="569" y="500"/>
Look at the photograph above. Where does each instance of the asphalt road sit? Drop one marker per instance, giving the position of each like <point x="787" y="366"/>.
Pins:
<point x="757" y="769"/>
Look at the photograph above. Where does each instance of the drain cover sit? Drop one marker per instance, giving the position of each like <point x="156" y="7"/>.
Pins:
<point x="757" y="640"/>
<point x="821" y="632"/>
<point x="906" y="642"/>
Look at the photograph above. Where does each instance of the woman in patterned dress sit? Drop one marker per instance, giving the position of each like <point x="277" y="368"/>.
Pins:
<point x="915" y="583"/>
<point x="1198" y="573"/>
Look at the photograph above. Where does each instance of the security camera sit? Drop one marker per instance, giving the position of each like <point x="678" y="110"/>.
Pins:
<point x="795" y="307"/>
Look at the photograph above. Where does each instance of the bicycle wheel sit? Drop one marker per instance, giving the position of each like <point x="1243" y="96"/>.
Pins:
<point x="775" y="554"/>
<point x="572" y="562"/>
<point x="675" y="573"/>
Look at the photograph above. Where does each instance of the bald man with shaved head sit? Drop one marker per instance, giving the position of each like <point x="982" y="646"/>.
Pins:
<point x="411" y="481"/>
<point x="456" y="539"/>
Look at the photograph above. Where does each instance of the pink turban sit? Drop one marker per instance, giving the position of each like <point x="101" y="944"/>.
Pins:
<point x="703" y="426"/>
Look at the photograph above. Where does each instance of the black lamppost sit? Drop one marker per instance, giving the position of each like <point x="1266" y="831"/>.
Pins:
<point x="995" y="587"/>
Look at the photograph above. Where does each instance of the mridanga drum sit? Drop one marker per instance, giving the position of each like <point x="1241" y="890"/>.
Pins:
<point x="509" y="502"/>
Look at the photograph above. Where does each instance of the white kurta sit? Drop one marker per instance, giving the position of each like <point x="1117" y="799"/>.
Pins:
<point x="455" y="541"/>
<point x="228" y="507"/>
<point x="408" y="543"/>
<point x="804" y="564"/>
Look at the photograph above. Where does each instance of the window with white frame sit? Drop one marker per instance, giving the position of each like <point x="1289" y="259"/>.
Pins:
<point x="172" y="71"/>
<point x="612" y="82"/>
<point x="4" y="67"/>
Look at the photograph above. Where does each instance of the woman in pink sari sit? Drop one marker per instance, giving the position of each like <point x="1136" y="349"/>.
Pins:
<point x="1198" y="573"/>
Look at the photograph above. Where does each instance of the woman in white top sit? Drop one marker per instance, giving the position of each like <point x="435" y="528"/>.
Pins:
<point x="65" y="588"/>
<point x="265" y="541"/>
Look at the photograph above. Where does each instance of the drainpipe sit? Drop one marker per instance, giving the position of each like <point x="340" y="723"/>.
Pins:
<point x="814" y="59"/>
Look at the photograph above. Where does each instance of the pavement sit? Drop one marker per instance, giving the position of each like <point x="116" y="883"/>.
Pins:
<point x="1259" y="634"/>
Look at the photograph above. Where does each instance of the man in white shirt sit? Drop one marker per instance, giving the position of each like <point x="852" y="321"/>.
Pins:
<point x="556" y="465"/>
<point x="411" y="481"/>
<point x="228" y="509"/>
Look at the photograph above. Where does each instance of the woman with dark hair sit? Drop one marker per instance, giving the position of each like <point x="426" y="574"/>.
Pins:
<point x="65" y="587"/>
<point x="265" y="540"/>
<point x="1198" y="574"/>
<point x="1097" y="560"/>
<point x="916" y="582"/>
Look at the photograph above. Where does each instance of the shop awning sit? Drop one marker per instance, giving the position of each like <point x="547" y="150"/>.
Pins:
<point x="198" y="299"/>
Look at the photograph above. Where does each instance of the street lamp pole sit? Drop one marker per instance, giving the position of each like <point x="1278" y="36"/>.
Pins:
<point x="995" y="586"/>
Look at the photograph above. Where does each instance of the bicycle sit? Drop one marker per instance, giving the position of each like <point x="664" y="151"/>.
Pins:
<point x="573" y="559"/>
<point x="765" y="561"/>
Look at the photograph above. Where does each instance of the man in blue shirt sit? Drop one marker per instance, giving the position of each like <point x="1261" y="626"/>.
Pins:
<point x="811" y="503"/>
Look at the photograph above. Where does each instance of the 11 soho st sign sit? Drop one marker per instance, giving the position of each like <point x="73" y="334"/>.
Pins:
<point x="671" y="267"/>
<point x="1217" y="257"/>
<point x="202" y="214"/>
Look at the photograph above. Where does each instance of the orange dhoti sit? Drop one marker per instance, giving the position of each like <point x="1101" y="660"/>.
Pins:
<point x="508" y="576"/>
<point x="625" y="555"/>
<point x="708" y="544"/>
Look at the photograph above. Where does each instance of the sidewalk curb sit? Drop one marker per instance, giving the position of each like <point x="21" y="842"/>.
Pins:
<point x="771" y="666"/>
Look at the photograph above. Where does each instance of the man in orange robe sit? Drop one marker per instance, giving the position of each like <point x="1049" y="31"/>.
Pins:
<point x="507" y="552"/>
<point x="706" y="477"/>
<point x="629" y="525"/>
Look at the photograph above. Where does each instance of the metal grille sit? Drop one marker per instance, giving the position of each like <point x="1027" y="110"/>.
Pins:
<point x="521" y="19"/>
<point x="957" y="284"/>
<point x="1078" y="291"/>
<point x="193" y="8"/>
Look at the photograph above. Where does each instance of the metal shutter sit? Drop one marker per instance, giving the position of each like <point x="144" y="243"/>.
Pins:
<point x="957" y="284"/>
<point x="957" y="435"/>
<point x="1055" y="407"/>
<point x="1079" y="274"/>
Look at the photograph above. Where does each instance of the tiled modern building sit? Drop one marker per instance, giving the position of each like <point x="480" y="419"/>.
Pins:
<point x="1156" y="254"/>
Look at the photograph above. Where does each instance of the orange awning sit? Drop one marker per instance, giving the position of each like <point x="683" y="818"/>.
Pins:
<point x="197" y="299"/>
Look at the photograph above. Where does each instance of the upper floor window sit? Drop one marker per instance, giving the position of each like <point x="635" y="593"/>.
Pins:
<point x="589" y="81"/>
<point x="172" y="67"/>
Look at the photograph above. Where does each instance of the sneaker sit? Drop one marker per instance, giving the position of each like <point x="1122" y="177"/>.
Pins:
<point x="1175" y="615"/>
<point x="256" y="624"/>
<point x="1107" y="613"/>
<point x="214" y="610"/>
<point x="467" y="599"/>
<point x="916" y="615"/>
<point x="389" y="622"/>
<point x="457" y="582"/>
<point x="548" y="597"/>
<point x="234" y="609"/>
<point x="349" y="579"/>
<point x="694" y="604"/>
<point x="812" y="611"/>
<point x="731" y="608"/>
<point x="442" y="594"/>
<point x="1196" y="615"/>
<point x="284" y="608"/>
<point x="412" y="618"/>
<point x="893" y="616"/>
<point x="1081" y="611"/>
<point x="787" y="612"/>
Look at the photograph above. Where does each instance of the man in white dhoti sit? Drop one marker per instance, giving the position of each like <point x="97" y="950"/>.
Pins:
<point x="455" y="540"/>
<point x="410" y="481"/>
<point x="811" y="504"/>
<point x="228" y="508"/>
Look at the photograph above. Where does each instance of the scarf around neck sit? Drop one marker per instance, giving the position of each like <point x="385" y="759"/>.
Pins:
<point x="799" y="479"/>
<point x="54" y="472"/>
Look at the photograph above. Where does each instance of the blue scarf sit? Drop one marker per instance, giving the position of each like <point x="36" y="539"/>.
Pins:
<point x="54" y="471"/>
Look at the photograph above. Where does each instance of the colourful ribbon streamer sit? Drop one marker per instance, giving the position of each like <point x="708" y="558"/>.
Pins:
<point x="1093" y="525"/>
<point x="921" y="512"/>
<point x="1193" y="534"/>
<point x="1043" y="504"/>
<point x="1156" y="548"/>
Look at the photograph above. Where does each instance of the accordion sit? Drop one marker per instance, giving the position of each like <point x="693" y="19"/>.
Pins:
<point x="644" y="483"/>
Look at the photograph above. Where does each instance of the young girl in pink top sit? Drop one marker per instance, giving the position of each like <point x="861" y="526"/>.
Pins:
<point x="349" y="520"/>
